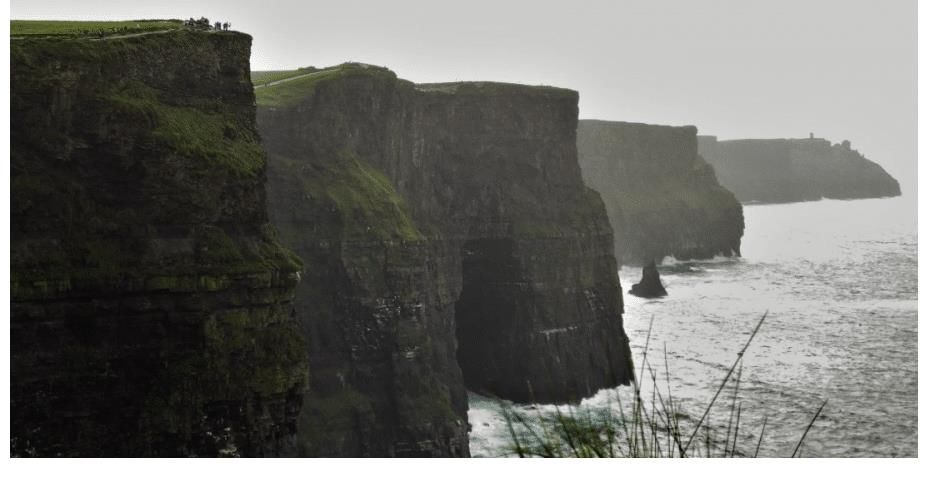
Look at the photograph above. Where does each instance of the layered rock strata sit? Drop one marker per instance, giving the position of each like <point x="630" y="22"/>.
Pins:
<point x="449" y="242"/>
<point x="150" y="299"/>
<point x="662" y="198"/>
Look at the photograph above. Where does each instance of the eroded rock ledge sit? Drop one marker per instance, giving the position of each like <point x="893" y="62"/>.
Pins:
<point x="663" y="199"/>
<point x="433" y="219"/>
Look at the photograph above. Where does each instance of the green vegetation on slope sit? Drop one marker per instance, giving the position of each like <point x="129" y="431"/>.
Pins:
<point x="181" y="152"/>
<point x="76" y="28"/>
<point x="194" y="132"/>
<point x="302" y="87"/>
<point x="262" y="78"/>
<point x="364" y="197"/>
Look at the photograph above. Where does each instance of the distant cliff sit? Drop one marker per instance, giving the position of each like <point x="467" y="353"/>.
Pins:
<point x="663" y="199"/>
<point x="448" y="241"/>
<point x="789" y="170"/>
<point x="150" y="311"/>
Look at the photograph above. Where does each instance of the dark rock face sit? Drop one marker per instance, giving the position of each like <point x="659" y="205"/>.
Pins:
<point x="448" y="240"/>
<point x="791" y="170"/>
<point x="151" y="302"/>
<point x="663" y="199"/>
<point x="650" y="285"/>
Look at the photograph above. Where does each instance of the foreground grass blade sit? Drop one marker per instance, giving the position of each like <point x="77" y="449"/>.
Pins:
<point x="762" y="429"/>
<point x="731" y="370"/>
<point x="809" y="427"/>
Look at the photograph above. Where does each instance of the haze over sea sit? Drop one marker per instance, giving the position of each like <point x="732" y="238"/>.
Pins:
<point x="839" y="282"/>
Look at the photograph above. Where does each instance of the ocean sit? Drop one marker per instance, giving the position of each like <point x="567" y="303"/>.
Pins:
<point x="838" y="282"/>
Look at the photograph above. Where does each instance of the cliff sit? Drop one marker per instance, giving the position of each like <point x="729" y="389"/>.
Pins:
<point x="449" y="242"/>
<point x="151" y="301"/>
<point x="663" y="199"/>
<point x="790" y="170"/>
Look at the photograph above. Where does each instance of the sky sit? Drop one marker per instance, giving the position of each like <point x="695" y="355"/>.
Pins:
<point x="843" y="69"/>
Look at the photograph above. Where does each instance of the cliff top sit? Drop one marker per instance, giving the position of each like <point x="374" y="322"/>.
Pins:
<point x="89" y="28"/>
<point x="266" y="78"/>
<point x="492" y="87"/>
<point x="286" y="87"/>
<point x="627" y="124"/>
<point x="800" y="141"/>
<point x="99" y="30"/>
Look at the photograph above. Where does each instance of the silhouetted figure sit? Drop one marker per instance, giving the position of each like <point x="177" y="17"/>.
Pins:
<point x="650" y="285"/>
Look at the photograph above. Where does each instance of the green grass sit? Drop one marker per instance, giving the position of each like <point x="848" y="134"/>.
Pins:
<point x="644" y="428"/>
<point x="90" y="28"/>
<point x="261" y="78"/>
<point x="294" y="91"/>
<point x="365" y="198"/>
<point x="194" y="132"/>
<point x="492" y="87"/>
<point x="193" y="147"/>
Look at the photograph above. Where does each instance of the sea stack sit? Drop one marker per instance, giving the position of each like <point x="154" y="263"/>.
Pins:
<point x="650" y="285"/>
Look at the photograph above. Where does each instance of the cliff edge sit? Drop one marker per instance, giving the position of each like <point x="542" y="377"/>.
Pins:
<point x="151" y="301"/>
<point x="791" y="170"/>
<point x="449" y="242"/>
<point x="663" y="199"/>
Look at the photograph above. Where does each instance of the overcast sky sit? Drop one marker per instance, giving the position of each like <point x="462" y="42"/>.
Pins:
<point x="844" y="69"/>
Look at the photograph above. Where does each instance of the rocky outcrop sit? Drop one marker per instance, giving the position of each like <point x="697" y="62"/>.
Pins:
<point x="650" y="285"/>
<point x="448" y="241"/>
<point x="150" y="300"/>
<point x="663" y="199"/>
<point x="790" y="170"/>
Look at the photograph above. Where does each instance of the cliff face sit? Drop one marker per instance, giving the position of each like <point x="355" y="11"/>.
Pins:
<point x="663" y="199"/>
<point x="790" y="170"/>
<point x="151" y="302"/>
<point x="448" y="241"/>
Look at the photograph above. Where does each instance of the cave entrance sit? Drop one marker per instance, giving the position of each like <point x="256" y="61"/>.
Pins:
<point x="485" y="314"/>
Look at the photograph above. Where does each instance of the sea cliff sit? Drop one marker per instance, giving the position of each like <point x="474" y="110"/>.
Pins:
<point x="791" y="170"/>
<point x="151" y="301"/>
<point x="449" y="242"/>
<point x="663" y="199"/>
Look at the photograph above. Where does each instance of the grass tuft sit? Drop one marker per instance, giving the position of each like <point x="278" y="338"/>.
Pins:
<point x="644" y="429"/>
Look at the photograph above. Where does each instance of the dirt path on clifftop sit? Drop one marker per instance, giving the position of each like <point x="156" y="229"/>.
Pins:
<point x="285" y="80"/>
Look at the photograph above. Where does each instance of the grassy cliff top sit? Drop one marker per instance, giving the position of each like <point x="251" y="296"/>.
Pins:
<point x="287" y="87"/>
<point x="79" y="28"/>
<point x="492" y="87"/>
<point x="263" y="78"/>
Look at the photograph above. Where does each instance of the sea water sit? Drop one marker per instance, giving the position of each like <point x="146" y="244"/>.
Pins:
<point x="838" y="282"/>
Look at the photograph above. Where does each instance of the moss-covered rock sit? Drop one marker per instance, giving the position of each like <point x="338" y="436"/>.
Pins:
<point x="440" y="224"/>
<point x="151" y="299"/>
